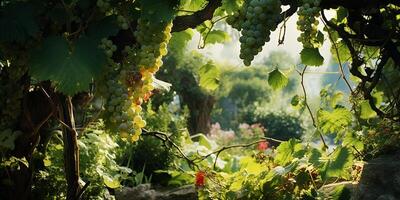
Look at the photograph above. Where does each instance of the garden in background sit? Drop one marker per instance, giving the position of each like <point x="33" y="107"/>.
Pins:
<point x="200" y="99"/>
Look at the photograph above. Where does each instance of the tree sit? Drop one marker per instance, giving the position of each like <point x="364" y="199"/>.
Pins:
<point x="49" y="54"/>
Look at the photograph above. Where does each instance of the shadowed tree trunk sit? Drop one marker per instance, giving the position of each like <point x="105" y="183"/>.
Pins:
<point x="199" y="102"/>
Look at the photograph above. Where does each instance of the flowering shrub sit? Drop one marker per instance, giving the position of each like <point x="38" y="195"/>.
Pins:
<point x="250" y="132"/>
<point x="221" y="136"/>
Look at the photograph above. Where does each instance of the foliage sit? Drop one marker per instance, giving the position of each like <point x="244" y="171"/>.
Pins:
<point x="149" y="154"/>
<point x="98" y="166"/>
<point x="278" y="125"/>
<point x="52" y="51"/>
<point x="277" y="79"/>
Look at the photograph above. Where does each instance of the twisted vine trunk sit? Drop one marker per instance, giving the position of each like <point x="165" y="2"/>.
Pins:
<point x="71" y="151"/>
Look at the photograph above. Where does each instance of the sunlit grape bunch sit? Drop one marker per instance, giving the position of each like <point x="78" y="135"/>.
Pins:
<point x="256" y="20"/>
<point x="153" y="40"/>
<point x="308" y="23"/>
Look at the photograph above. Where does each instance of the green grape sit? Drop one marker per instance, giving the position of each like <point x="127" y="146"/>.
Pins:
<point x="256" y="20"/>
<point x="131" y="84"/>
<point x="122" y="22"/>
<point x="307" y="23"/>
<point x="104" y="5"/>
<point x="108" y="47"/>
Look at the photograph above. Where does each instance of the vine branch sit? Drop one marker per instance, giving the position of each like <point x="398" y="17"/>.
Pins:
<point x="308" y="106"/>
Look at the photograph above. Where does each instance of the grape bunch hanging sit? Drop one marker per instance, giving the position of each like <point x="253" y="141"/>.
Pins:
<point x="256" y="20"/>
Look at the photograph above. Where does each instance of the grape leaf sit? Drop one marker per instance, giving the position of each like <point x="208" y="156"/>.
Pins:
<point x="338" y="163"/>
<point x="18" y="22"/>
<point x="192" y="5"/>
<point x="179" y="40"/>
<point x="277" y="79"/>
<point x="289" y="150"/>
<point x="366" y="110"/>
<point x="217" y="36"/>
<point x="230" y="6"/>
<point x="311" y="57"/>
<point x="209" y="76"/>
<point x="341" y="14"/>
<point x="344" y="53"/>
<point x="335" y="121"/>
<point x="70" y="71"/>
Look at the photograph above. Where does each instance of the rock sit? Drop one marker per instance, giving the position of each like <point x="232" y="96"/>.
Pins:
<point x="141" y="192"/>
<point x="182" y="193"/>
<point x="380" y="179"/>
<point x="145" y="192"/>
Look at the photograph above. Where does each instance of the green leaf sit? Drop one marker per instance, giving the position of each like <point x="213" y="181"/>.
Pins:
<point x="204" y="27"/>
<point x="314" y="157"/>
<point x="192" y="5"/>
<point x="289" y="150"/>
<point x="344" y="52"/>
<point x="203" y="140"/>
<point x="217" y="36"/>
<point x="338" y="164"/>
<point x="70" y="71"/>
<point x="366" y="110"/>
<point x="311" y="57"/>
<point x="209" y="76"/>
<point x="277" y="79"/>
<point x="179" y="40"/>
<point x="158" y="11"/>
<point x="337" y="97"/>
<point x="351" y="140"/>
<point x="18" y="22"/>
<point x="295" y="100"/>
<point x="111" y="182"/>
<point x="320" y="38"/>
<point x="230" y="6"/>
<point x="335" y="121"/>
<point x="341" y="14"/>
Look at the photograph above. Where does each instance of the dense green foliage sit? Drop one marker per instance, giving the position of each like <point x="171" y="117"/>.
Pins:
<point x="75" y="77"/>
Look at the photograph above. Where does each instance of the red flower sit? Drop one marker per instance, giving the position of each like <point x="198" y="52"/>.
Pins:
<point x="263" y="145"/>
<point x="200" y="179"/>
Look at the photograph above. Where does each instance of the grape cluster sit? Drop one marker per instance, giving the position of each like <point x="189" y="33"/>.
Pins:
<point x="122" y="22"/>
<point x="104" y="5"/>
<point x="154" y="40"/>
<point x="123" y="112"/>
<point x="256" y="20"/>
<point x="133" y="82"/>
<point x="308" y="23"/>
<point x="108" y="47"/>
